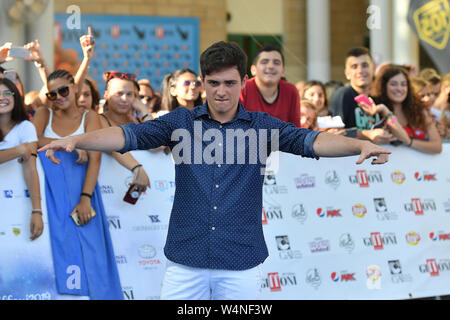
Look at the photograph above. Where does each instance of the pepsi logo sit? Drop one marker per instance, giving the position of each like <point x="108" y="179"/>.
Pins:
<point x="335" y="277"/>
<point x="433" y="236"/>
<point x="320" y="212"/>
<point x="418" y="176"/>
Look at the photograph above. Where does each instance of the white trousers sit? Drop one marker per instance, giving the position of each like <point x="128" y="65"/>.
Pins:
<point x="186" y="283"/>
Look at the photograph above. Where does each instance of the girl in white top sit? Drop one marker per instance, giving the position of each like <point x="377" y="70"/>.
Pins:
<point x="66" y="119"/>
<point x="121" y="100"/>
<point x="18" y="140"/>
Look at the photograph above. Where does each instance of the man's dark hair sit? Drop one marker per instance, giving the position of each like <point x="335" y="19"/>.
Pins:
<point x="222" y="55"/>
<point x="2" y="70"/>
<point x="357" y="52"/>
<point x="268" y="48"/>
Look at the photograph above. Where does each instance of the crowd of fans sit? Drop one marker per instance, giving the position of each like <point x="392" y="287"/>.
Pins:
<point x="403" y="106"/>
<point x="386" y="104"/>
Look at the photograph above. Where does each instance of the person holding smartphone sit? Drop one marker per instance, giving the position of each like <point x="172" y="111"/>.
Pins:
<point x="79" y="237"/>
<point x="359" y="70"/>
<point x="406" y="116"/>
<point x="121" y="100"/>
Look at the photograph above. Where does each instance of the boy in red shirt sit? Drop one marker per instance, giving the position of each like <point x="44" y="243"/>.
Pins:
<point x="267" y="92"/>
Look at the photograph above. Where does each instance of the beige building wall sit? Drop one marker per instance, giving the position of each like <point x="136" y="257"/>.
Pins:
<point x="257" y="17"/>
<point x="211" y="13"/>
<point x="348" y="29"/>
<point x="294" y="39"/>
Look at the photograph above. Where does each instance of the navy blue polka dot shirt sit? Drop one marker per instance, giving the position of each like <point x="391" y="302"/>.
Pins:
<point x="216" y="218"/>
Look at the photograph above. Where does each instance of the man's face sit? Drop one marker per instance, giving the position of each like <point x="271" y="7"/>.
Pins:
<point x="120" y="95"/>
<point x="359" y="70"/>
<point x="223" y="89"/>
<point x="269" y="68"/>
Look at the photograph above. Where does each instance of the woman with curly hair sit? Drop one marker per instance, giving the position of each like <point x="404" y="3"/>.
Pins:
<point x="406" y="117"/>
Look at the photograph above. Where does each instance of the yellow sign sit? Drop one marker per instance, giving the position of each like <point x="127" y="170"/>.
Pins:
<point x="432" y="22"/>
<point x="16" y="231"/>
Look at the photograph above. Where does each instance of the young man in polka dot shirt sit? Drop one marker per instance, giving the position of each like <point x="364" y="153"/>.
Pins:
<point x="215" y="243"/>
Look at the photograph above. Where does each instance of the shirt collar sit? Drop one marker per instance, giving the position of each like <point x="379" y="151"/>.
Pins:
<point x="202" y="110"/>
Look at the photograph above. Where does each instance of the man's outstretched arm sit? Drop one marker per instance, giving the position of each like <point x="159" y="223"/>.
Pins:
<point x="105" y="140"/>
<point x="332" y="145"/>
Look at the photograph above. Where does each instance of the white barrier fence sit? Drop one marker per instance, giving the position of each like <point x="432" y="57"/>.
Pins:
<point x="334" y="230"/>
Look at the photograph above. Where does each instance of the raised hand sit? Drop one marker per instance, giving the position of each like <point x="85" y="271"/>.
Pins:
<point x="4" y="50"/>
<point x="87" y="43"/>
<point x="35" y="51"/>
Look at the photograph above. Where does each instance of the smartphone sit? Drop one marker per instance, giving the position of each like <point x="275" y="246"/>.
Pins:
<point x="132" y="195"/>
<point x="362" y="98"/>
<point x="396" y="143"/>
<point x="76" y="218"/>
<point x="10" y="75"/>
<point x="379" y="124"/>
<point x="19" y="53"/>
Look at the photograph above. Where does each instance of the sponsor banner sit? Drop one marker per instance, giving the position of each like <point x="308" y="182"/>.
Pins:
<point x="334" y="230"/>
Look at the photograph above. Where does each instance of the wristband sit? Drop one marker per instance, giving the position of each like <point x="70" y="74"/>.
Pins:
<point x="409" y="144"/>
<point x="86" y="194"/>
<point x="392" y="121"/>
<point x="139" y="165"/>
<point x="39" y="211"/>
<point x="38" y="64"/>
<point x="34" y="155"/>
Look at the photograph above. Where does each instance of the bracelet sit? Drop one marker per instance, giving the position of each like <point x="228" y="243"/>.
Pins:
<point x="87" y="195"/>
<point x="409" y="144"/>
<point x="139" y="165"/>
<point x="144" y="116"/>
<point x="34" y="155"/>
<point x="36" y="211"/>
<point x="35" y="196"/>
<point x="38" y="64"/>
<point x="392" y="121"/>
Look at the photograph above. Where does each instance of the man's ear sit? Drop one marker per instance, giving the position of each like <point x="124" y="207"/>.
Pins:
<point x="171" y="91"/>
<point x="253" y="70"/>
<point x="244" y="81"/>
<point x="347" y="74"/>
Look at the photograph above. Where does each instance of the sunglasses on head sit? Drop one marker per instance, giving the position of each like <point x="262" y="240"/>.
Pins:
<point x="62" y="91"/>
<point x="197" y="83"/>
<point x="147" y="98"/>
<point x="119" y="75"/>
